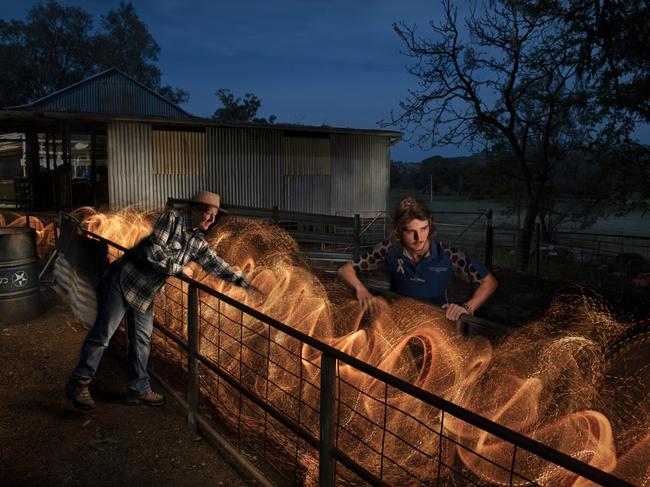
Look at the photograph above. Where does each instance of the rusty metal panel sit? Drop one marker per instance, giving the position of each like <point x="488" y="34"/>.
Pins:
<point x="245" y="166"/>
<point x="111" y="92"/>
<point x="179" y="152"/>
<point x="360" y="179"/>
<point x="179" y="163"/>
<point x="146" y="166"/>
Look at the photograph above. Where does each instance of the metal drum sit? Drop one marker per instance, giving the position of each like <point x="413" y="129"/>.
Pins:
<point x="19" y="291"/>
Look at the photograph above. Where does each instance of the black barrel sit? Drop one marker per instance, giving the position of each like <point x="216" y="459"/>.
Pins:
<point x="19" y="292"/>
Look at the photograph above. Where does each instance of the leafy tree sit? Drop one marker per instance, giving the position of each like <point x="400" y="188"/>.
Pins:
<point x="509" y="79"/>
<point x="405" y="175"/>
<point x="237" y="109"/>
<point x="444" y="173"/>
<point x="125" y="43"/>
<point x="473" y="175"/>
<point x="46" y="52"/>
<point x="613" y="36"/>
<point x="618" y="182"/>
<point x="56" y="46"/>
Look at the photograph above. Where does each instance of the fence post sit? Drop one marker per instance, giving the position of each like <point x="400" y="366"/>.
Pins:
<point x="538" y="229"/>
<point x="356" y="229"/>
<point x="275" y="215"/>
<point x="489" y="239"/>
<point x="327" y="421"/>
<point x="192" y="351"/>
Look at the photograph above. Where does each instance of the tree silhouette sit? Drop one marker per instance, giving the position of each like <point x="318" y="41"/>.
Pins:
<point x="57" y="45"/>
<point x="238" y="109"/>
<point x="508" y="79"/>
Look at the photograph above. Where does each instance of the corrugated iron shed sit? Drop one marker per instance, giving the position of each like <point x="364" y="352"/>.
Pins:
<point x="155" y="150"/>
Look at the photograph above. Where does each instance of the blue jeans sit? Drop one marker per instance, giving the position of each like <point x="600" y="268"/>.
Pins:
<point x="111" y="308"/>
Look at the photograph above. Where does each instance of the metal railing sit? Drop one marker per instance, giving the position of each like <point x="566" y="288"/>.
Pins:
<point x="289" y="401"/>
<point x="477" y="240"/>
<point x="337" y="233"/>
<point x="592" y="257"/>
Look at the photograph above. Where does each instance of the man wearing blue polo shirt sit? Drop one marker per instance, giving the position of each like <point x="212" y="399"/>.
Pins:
<point x="420" y="266"/>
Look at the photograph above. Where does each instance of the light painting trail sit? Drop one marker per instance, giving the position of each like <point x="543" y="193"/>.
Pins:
<point x="569" y="380"/>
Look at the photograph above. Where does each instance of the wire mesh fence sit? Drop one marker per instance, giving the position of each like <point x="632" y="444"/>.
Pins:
<point x="306" y="413"/>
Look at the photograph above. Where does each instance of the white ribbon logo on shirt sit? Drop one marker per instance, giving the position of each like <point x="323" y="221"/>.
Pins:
<point x="400" y="266"/>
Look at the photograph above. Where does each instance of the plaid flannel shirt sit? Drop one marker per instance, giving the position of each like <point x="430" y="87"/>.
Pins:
<point x="165" y="252"/>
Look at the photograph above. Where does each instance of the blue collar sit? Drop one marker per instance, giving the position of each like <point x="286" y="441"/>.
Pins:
<point x="433" y="253"/>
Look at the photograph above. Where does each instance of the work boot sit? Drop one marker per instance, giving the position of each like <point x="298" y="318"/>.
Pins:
<point x="149" y="398"/>
<point x="78" y="391"/>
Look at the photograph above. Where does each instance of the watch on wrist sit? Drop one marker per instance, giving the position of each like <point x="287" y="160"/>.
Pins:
<point x="468" y="308"/>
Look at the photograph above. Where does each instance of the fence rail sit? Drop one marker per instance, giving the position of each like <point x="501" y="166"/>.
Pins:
<point x="593" y="257"/>
<point x="285" y="394"/>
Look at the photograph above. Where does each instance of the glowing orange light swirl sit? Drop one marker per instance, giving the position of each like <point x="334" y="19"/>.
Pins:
<point x="550" y="380"/>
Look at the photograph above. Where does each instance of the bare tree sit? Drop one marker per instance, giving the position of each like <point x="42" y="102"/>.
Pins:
<point x="505" y="79"/>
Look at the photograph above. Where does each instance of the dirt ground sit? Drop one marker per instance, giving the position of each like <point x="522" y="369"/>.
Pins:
<point x="46" y="442"/>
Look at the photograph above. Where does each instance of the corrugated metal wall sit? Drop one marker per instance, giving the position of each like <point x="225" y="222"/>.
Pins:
<point x="248" y="167"/>
<point x="130" y="169"/>
<point x="112" y="93"/>
<point x="307" y="170"/>
<point x="179" y="164"/>
<point x="245" y="166"/>
<point x="360" y="173"/>
<point x="178" y="153"/>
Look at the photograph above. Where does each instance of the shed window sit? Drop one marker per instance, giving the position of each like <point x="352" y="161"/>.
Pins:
<point x="179" y="152"/>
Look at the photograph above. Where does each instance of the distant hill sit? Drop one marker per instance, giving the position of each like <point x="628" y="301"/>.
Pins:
<point x="443" y="175"/>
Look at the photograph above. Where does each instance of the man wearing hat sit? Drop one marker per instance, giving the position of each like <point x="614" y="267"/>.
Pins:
<point x="129" y="286"/>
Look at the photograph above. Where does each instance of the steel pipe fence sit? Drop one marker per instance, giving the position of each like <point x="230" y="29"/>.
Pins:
<point x="596" y="258"/>
<point x="307" y="413"/>
<point x="470" y="231"/>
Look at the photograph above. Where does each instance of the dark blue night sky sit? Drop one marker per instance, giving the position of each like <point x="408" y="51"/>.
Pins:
<point x="334" y="62"/>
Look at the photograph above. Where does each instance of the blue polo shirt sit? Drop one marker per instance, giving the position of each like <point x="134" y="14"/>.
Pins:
<point x="427" y="279"/>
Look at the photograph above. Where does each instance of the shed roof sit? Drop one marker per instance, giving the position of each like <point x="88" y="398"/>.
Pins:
<point x="110" y="92"/>
<point x="113" y="95"/>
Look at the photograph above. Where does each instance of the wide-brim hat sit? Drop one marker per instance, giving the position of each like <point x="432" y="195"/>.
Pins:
<point x="208" y="198"/>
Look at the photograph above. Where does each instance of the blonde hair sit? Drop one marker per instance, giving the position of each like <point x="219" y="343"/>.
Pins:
<point x="410" y="209"/>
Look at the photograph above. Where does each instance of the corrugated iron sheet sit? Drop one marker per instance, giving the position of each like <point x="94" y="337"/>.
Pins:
<point x="130" y="171"/>
<point x="360" y="174"/>
<point x="179" y="152"/>
<point x="306" y="156"/>
<point x="248" y="167"/>
<point x="245" y="166"/>
<point x="110" y="93"/>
